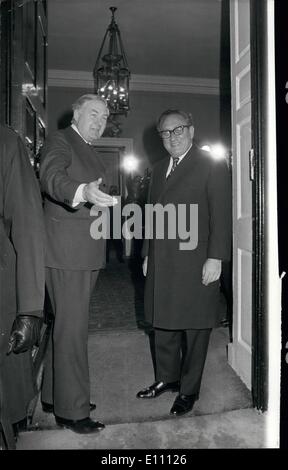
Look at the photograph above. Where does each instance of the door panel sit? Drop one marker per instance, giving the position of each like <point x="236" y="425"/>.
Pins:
<point x="242" y="170"/>
<point x="245" y="302"/>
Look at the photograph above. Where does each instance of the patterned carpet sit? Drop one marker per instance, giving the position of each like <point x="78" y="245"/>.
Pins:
<point x="117" y="302"/>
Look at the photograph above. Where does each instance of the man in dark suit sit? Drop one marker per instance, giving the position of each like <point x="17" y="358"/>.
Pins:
<point x="182" y="285"/>
<point x="73" y="179"/>
<point x="22" y="276"/>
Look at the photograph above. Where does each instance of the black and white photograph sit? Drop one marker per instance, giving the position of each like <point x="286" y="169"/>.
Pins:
<point x="143" y="150"/>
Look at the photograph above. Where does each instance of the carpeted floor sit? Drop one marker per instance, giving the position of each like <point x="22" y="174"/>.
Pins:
<point x="239" y="429"/>
<point x="120" y="359"/>
<point x="120" y="365"/>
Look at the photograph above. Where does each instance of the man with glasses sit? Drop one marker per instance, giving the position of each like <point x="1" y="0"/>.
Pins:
<point x="182" y="296"/>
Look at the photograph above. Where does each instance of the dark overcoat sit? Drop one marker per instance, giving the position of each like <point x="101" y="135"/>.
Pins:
<point x="175" y="297"/>
<point x="22" y="275"/>
<point x="66" y="162"/>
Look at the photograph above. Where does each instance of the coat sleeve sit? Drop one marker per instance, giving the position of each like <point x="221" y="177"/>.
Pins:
<point x="220" y="211"/>
<point x="145" y="246"/>
<point x="55" y="159"/>
<point x="23" y="210"/>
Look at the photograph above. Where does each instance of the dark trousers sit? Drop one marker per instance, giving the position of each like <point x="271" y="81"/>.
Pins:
<point x="66" y="372"/>
<point x="181" y="355"/>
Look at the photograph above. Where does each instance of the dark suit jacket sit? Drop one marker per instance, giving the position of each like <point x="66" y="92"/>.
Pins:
<point x="22" y="269"/>
<point x="175" y="297"/>
<point x="66" y="162"/>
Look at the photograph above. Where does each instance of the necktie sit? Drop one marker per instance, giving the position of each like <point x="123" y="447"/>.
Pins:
<point x="174" y="164"/>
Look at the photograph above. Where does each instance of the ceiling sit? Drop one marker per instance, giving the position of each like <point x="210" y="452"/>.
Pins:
<point x="161" y="37"/>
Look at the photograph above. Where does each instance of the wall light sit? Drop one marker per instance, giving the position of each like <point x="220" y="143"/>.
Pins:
<point x="217" y="151"/>
<point x="206" y="148"/>
<point x="130" y="163"/>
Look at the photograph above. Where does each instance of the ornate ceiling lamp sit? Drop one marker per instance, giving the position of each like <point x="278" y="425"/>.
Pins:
<point x="111" y="72"/>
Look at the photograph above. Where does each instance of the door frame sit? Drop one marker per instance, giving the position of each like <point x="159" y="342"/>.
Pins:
<point x="125" y="147"/>
<point x="258" y="44"/>
<point x="281" y="90"/>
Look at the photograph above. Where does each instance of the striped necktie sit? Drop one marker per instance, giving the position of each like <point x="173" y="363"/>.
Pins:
<point x="174" y="164"/>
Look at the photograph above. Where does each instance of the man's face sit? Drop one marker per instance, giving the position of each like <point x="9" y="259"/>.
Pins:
<point x="91" y="120"/>
<point x="176" y="145"/>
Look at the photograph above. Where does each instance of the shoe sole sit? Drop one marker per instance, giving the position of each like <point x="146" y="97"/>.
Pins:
<point x="64" y="426"/>
<point x="171" y="390"/>
<point x="181" y="413"/>
<point x="51" y="410"/>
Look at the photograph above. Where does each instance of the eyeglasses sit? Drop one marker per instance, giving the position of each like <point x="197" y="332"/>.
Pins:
<point x="166" y="134"/>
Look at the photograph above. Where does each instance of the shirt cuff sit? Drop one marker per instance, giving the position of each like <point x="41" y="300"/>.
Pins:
<point x="78" y="198"/>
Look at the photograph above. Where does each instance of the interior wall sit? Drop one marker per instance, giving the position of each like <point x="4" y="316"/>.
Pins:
<point x="140" y="123"/>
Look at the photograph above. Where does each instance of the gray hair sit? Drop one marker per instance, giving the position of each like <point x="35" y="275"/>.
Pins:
<point x="88" y="97"/>
<point x="187" y="116"/>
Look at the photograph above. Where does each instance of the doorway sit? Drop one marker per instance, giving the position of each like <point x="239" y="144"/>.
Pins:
<point x="113" y="151"/>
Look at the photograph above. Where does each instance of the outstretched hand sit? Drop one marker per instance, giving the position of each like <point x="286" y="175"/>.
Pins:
<point x="94" y="195"/>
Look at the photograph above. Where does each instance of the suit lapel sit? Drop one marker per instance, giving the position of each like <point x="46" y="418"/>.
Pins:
<point x="160" y="178"/>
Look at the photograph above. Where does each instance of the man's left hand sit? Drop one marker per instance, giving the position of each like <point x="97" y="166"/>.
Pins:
<point x="25" y="333"/>
<point x="211" y="271"/>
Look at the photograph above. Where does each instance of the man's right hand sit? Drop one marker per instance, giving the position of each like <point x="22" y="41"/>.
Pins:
<point x="94" y="195"/>
<point x="144" y="265"/>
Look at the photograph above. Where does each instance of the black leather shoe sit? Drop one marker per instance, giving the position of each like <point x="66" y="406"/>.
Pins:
<point x="183" y="404"/>
<point x="157" y="389"/>
<point x="81" y="426"/>
<point x="48" y="408"/>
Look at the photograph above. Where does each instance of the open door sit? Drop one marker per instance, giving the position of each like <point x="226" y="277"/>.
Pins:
<point x="240" y="350"/>
<point x="253" y="151"/>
